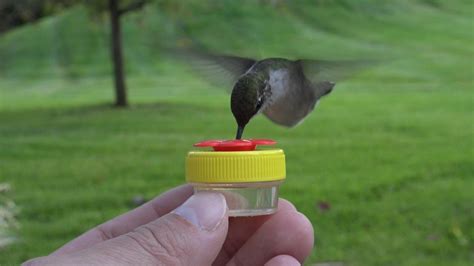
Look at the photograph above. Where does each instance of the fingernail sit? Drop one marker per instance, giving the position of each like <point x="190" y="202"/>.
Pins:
<point x="204" y="209"/>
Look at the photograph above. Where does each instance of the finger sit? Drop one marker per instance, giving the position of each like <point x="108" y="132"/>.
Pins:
<point x="283" y="260"/>
<point x="127" y="222"/>
<point x="241" y="228"/>
<point x="288" y="233"/>
<point x="190" y="235"/>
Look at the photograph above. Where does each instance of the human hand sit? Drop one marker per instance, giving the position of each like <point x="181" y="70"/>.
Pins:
<point x="166" y="231"/>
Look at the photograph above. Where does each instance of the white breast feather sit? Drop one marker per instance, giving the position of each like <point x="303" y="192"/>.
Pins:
<point x="279" y="83"/>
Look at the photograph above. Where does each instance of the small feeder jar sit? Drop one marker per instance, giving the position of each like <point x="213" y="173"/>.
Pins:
<point x="248" y="178"/>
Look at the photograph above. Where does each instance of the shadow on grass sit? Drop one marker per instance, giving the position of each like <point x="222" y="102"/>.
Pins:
<point x="166" y="107"/>
<point x="101" y="119"/>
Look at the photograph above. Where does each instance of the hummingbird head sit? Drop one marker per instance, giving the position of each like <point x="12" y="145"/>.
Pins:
<point x="247" y="99"/>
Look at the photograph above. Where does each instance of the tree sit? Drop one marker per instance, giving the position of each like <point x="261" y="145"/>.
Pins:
<point x="115" y="12"/>
<point x="14" y="13"/>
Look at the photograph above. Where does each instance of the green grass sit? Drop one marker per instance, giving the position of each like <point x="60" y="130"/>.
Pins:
<point x="391" y="150"/>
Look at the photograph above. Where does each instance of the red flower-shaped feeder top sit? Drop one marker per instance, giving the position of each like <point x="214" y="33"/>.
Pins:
<point x="235" y="145"/>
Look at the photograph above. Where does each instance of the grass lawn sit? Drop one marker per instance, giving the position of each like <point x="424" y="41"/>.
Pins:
<point x="391" y="151"/>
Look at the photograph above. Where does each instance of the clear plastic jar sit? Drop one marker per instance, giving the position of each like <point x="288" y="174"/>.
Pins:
<point x="246" y="199"/>
<point x="249" y="179"/>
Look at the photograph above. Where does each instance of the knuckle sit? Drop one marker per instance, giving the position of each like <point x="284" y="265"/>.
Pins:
<point x="104" y="232"/>
<point x="162" y="243"/>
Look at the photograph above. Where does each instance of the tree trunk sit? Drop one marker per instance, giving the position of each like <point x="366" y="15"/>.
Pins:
<point x="116" y="43"/>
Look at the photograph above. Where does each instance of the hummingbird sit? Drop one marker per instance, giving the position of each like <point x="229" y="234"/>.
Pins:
<point x="285" y="91"/>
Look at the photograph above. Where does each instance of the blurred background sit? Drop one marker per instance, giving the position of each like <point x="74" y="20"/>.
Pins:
<point x="383" y="168"/>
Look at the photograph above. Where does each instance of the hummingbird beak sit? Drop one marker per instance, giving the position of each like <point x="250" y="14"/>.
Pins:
<point x="240" y="131"/>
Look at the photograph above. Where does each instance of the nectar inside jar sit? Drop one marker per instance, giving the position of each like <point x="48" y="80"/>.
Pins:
<point x="248" y="178"/>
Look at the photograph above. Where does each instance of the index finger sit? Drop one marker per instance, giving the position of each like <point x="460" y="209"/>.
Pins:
<point x="125" y="223"/>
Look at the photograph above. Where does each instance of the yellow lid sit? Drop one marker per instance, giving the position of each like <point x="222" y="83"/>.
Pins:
<point x="235" y="167"/>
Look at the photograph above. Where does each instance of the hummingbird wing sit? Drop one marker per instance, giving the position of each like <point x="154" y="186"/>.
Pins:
<point x="324" y="74"/>
<point x="220" y="70"/>
<point x="322" y="71"/>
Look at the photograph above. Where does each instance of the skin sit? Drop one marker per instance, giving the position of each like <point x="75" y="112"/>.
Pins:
<point x="155" y="234"/>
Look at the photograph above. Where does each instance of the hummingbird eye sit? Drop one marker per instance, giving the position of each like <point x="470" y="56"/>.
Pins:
<point x="259" y="103"/>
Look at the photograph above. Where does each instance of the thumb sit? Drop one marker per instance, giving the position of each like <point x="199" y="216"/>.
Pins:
<point x="193" y="234"/>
